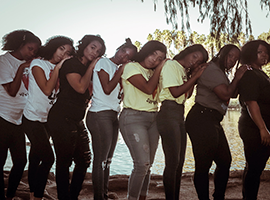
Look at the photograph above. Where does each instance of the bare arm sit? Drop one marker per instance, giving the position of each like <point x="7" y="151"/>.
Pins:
<point x="109" y="85"/>
<point x="45" y="85"/>
<point x="149" y="86"/>
<point x="225" y="92"/>
<point x="255" y="114"/>
<point x="189" y="85"/>
<point x="81" y="83"/>
<point x="13" y="87"/>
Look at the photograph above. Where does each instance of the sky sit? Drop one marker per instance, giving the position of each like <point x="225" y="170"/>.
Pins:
<point x="113" y="20"/>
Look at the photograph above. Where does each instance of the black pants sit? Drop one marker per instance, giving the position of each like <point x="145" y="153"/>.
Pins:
<point x="71" y="143"/>
<point x="171" y="127"/>
<point x="209" y="144"/>
<point x="41" y="157"/>
<point x="256" y="156"/>
<point x="103" y="127"/>
<point x="12" y="138"/>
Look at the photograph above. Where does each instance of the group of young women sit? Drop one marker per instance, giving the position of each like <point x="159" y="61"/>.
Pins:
<point x="46" y="91"/>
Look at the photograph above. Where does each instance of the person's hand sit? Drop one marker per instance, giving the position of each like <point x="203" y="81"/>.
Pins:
<point x="265" y="137"/>
<point x="93" y="63"/>
<point x="197" y="72"/>
<point x="26" y="64"/>
<point x="240" y="71"/>
<point x="161" y="64"/>
<point x="59" y="65"/>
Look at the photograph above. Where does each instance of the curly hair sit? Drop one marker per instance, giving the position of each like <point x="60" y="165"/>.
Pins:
<point x="149" y="48"/>
<point x="221" y="58"/>
<point x="86" y="40"/>
<point x="249" y="51"/>
<point x="14" y="40"/>
<point x="191" y="49"/>
<point x="46" y="52"/>
<point x="129" y="45"/>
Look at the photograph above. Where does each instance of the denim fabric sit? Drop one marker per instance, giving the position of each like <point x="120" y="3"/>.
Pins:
<point x="103" y="127"/>
<point x="41" y="157"/>
<point x="12" y="138"/>
<point x="71" y="143"/>
<point x="209" y="144"/>
<point x="171" y="127"/>
<point x="140" y="134"/>
<point x="256" y="155"/>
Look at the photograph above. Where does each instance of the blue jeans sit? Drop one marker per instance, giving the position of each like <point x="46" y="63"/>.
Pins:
<point x="41" y="157"/>
<point x="12" y="138"/>
<point x="140" y="134"/>
<point x="209" y="144"/>
<point x="103" y="127"/>
<point x="171" y="127"/>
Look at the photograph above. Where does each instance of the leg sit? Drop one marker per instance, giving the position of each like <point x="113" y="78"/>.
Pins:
<point x="134" y="127"/>
<point x="223" y="161"/>
<point x="82" y="157"/>
<point x="41" y="156"/>
<point x="18" y="156"/>
<point x="103" y="128"/>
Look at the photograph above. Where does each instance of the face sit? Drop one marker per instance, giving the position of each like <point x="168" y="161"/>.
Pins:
<point x="193" y="60"/>
<point x="123" y="55"/>
<point x="262" y="55"/>
<point x="232" y="58"/>
<point x="28" y="51"/>
<point x="61" y="53"/>
<point x="153" y="60"/>
<point x="92" y="51"/>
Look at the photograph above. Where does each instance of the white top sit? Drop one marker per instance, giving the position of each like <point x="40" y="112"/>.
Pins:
<point x="11" y="108"/>
<point x="101" y="101"/>
<point x="38" y="104"/>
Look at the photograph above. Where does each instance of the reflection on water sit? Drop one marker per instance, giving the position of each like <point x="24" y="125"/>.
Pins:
<point x="122" y="162"/>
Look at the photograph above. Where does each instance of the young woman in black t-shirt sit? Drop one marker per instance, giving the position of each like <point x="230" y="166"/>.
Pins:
<point x="69" y="134"/>
<point x="254" y="122"/>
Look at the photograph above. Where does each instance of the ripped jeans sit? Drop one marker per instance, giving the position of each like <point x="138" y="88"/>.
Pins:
<point x="140" y="133"/>
<point x="71" y="143"/>
<point x="103" y="127"/>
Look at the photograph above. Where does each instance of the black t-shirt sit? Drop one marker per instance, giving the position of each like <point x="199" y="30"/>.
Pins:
<point x="67" y="94"/>
<point x="255" y="86"/>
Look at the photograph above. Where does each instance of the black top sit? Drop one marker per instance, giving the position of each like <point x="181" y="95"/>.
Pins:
<point x="67" y="94"/>
<point x="255" y="86"/>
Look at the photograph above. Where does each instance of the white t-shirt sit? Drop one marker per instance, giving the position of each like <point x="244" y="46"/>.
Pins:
<point x="38" y="104"/>
<point x="100" y="100"/>
<point x="11" y="108"/>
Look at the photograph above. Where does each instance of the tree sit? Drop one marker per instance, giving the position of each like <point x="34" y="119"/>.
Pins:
<point x="226" y="16"/>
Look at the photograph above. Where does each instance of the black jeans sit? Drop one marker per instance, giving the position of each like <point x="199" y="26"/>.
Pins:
<point x="41" y="157"/>
<point x="209" y="144"/>
<point x="171" y="127"/>
<point x="103" y="127"/>
<point x="256" y="156"/>
<point x="12" y="138"/>
<point x="71" y="143"/>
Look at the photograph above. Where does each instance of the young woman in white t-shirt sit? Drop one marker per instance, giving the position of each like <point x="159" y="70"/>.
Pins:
<point x="138" y="118"/>
<point x="43" y="87"/>
<point x="102" y="118"/>
<point x="21" y="47"/>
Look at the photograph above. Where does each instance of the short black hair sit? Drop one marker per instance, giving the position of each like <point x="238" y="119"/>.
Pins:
<point x="86" y="40"/>
<point x="249" y="51"/>
<point x="128" y="44"/>
<point x="149" y="48"/>
<point x="46" y="52"/>
<point x="15" y="39"/>
<point x="191" y="49"/>
<point x="220" y="58"/>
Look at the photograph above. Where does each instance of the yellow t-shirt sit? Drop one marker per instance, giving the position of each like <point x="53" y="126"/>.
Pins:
<point x="172" y="74"/>
<point x="133" y="97"/>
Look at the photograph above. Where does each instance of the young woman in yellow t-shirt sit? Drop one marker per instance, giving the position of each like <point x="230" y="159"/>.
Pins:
<point x="138" y="118"/>
<point x="175" y="87"/>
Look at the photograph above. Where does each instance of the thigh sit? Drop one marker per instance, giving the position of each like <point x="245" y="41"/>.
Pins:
<point x="5" y="133"/>
<point x="134" y="130"/>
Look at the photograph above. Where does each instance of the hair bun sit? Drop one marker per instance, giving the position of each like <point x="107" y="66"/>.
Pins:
<point x="128" y="40"/>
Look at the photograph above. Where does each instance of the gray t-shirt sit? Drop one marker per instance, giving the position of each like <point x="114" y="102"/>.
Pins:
<point x="212" y="77"/>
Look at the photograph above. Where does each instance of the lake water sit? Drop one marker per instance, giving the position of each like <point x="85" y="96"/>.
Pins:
<point x="122" y="162"/>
